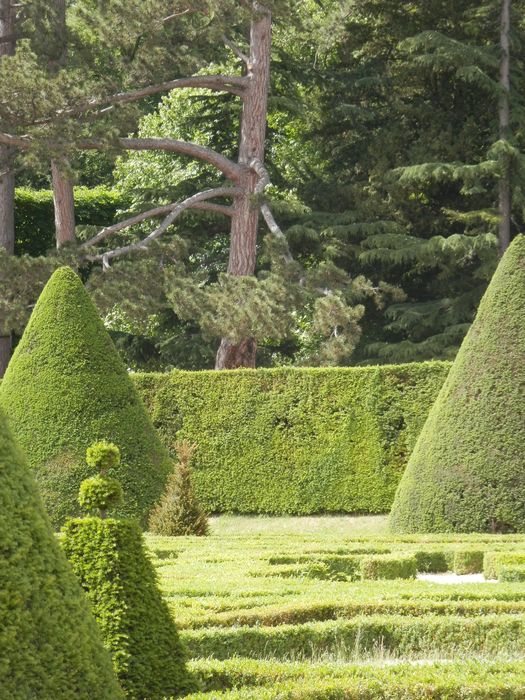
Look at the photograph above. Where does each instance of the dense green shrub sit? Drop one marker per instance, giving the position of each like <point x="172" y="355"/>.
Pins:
<point x="179" y="512"/>
<point x="101" y="493"/>
<point x="49" y="643"/>
<point x="295" y="441"/>
<point x="35" y="220"/>
<point x="388" y="566"/>
<point x="66" y="387"/>
<point x="493" y="561"/>
<point x="466" y="472"/>
<point x="468" y="562"/>
<point x="109" y="559"/>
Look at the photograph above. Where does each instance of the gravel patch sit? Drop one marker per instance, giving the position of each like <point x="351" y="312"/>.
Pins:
<point x="451" y="578"/>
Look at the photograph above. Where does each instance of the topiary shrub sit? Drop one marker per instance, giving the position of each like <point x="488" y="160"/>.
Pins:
<point x="494" y="561"/>
<point x="50" y="646"/>
<point x="178" y="511"/>
<point x="67" y="387"/>
<point x="512" y="573"/>
<point x="101" y="493"/>
<point x="466" y="472"/>
<point x="109" y="559"/>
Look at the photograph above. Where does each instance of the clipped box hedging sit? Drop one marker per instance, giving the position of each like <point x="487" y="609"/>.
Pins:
<point x="402" y="635"/>
<point x="512" y="573"/>
<point x="295" y="441"/>
<point x="388" y="566"/>
<point x="493" y="561"/>
<point x="468" y="562"/>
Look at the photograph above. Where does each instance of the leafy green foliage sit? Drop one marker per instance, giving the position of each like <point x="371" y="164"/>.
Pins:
<point x="51" y="647"/>
<point x="178" y="512"/>
<point x="112" y="566"/>
<point x="493" y="561"/>
<point x="295" y="440"/>
<point x="465" y="473"/>
<point x="66" y="387"/>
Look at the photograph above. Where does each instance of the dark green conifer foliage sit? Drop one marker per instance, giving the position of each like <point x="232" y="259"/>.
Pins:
<point x="109" y="559"/>
<point x="67" y="387"/>
<point x="466" y="473"/>
<point x="49" y="643"/>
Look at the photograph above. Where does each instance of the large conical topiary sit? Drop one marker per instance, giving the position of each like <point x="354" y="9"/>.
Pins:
<point x="65" y="388"/>
<point x="467" y="471"/>
<point x="49" y="642"/>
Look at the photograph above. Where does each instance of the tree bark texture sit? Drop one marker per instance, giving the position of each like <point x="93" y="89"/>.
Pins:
<point x="505" y="193"/>
<point x="245" y="215"/>
<point x="7" y="177"/>
<point x="64" y="201"/>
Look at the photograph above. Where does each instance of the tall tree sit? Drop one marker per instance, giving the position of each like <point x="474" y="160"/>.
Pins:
<point x="505" y="195"/>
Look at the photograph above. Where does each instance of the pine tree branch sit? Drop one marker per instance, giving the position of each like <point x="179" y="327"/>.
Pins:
<point x="231" y="169"/>
<point x="219" y="83"/>
<point x="236" y="50"/>
<point x="175" y="212"/>
<point x="157" y="212"/>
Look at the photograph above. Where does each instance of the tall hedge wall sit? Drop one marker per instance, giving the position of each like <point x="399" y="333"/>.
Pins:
<point x="296" y="441"/>
<point x="34" y="215"/>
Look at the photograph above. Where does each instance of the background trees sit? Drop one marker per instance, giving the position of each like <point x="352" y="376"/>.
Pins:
<point x="384" y="146"/>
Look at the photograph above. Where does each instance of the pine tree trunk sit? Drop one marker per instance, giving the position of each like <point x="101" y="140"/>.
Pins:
<point x="245" y="219"/>
<point x="7" y="177"/>
<point x="505" y="193"/>
<point x="64" y="202"/>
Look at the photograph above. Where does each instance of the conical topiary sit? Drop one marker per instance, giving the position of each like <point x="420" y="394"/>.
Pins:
<point x="65" y="388"/>
<point x="109" y="558"/>
<point x="50" y="646"/>
<point x="467" y="471"/>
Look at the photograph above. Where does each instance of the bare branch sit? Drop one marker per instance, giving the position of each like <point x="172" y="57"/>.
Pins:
<point x="231" y="169"/>
<point x="275" y="230"/>
<point x="176" y="211"/>
<point x="219" y="83"/>
<point x="162" y="211"/>
<point x="236" y="50"/>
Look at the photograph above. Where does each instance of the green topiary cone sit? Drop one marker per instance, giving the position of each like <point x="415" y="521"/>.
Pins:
<point x="67" y="387"/>
<point x="49" y="642"/>
<point x="467" y="471"/>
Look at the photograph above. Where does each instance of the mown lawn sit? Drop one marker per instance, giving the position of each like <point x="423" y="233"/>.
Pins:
<point x="277" y="607"/>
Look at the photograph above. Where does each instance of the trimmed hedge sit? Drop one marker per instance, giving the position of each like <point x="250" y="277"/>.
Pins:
<point x="295" y="441"/>
<point x="493" y="561"/>
<point x="50" y="646"/>
<point x="466" y="472"/>
<point x="468" y="562"/>
<point x="67" y="387"/>
<point x="110" y="561"/>
<point x="388" y="566"/>
<point x="404" y="636"/>
<point x="245" y="679"/>
<point x="35" y="217"/>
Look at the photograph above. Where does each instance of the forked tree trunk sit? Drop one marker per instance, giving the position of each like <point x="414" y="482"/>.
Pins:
<point x="505" y="193"/>
<point x="64" y="202"/>
<point x="7" y="176"/>
<point x="244" y="226"/>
